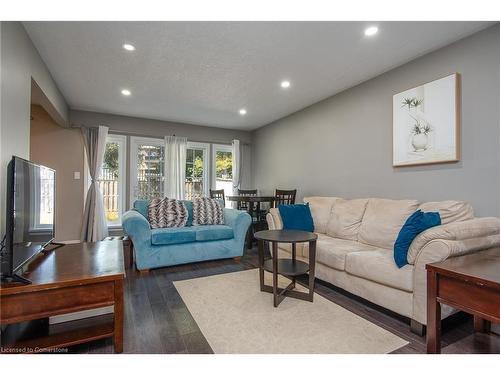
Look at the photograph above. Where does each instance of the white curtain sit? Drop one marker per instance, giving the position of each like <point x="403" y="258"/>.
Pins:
<point x="95" y="227"/>
<point x="236" y="165"/>
<point x="175" y="166"/>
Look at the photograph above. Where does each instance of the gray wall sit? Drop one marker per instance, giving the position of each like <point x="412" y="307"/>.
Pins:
<point x="20" y="63"/>
<point x="342" y="146"/>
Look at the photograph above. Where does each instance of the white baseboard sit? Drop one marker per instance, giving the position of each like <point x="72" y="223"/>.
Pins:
<point x="81" y="315"/>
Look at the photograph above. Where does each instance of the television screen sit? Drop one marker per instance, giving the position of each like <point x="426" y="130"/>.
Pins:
<point x="30" y="211"/>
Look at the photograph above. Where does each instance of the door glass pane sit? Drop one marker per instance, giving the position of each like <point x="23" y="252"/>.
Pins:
<point x="150" y="171"/>
<point x="109" y="181"/>
<point x="224" y="171"/>
<point x="194" y="173"/>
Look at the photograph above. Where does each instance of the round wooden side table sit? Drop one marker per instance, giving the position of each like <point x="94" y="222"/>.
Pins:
<point x="290" y="268"/>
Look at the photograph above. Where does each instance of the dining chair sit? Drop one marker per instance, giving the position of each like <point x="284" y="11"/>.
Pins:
<point x="245" y="193"/>
<point x="218" y="194"/>
<point x="284" y="197"/>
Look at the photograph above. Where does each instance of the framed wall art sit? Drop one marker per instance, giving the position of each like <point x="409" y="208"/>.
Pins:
<point x="426" y="123"/>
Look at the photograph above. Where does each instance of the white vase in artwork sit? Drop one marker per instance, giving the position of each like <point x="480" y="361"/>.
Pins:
<point x="420" y="141"/>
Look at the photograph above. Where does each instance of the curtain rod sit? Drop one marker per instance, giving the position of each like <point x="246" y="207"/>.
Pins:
<point x="137" y="134"/>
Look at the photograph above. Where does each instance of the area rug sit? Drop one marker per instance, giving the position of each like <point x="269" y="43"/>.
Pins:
<point x="236" y="317"/>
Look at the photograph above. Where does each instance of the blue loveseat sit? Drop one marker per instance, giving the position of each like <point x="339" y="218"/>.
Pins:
<point x="163" y="247"/>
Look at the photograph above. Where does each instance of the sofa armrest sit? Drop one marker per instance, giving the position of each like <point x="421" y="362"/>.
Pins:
<point x="273" y="219"/>
<point x="436" y="251"/>
<point x="457" y="231"/>
<point x="238" y="220"/>
<point x="136" y="226"/>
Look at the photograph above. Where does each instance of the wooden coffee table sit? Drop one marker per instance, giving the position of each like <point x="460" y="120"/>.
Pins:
<point x="68" y="279"/>
<point x="290" y="268"/>
<point x="469" y="283"/>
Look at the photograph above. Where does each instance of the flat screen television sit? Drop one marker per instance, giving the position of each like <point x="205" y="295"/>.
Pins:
<point x="30" y="222"/>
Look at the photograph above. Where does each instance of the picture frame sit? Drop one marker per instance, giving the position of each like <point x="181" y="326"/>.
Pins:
<point x="426" y="123"/>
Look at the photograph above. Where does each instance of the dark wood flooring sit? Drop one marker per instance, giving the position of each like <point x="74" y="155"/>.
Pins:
<point x="157" y="321"/>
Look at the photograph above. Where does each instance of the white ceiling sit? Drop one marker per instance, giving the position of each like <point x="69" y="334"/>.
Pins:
<point x="204" y="72"/>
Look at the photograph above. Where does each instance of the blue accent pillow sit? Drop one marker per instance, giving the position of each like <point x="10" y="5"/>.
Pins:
<point x="296" y="216"/>
<point x="414" y="225"/>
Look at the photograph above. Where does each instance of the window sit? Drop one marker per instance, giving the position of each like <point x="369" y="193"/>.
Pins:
<point x="196" y="170"/>
<point x="111" y="181"/>
<point x="223" y="168"/>
<point x="147" y="168"/>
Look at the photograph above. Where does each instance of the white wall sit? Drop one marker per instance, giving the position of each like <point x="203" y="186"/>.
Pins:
<point x="20" y="63"/>
<point x="342" y="146"/>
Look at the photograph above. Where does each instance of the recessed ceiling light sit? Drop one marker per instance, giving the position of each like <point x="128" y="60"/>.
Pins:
<point x="126" y="92"/>
<point x="370" y="31"/>
<point x="285" y="84"/>
<point x="243" y="111"/>
<point x="128" y="47"/>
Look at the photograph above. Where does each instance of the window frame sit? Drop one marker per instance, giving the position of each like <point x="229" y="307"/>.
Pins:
<point x="205" y="147"/>
<point x="121" y="140"/>
<point x="134" y="143"/>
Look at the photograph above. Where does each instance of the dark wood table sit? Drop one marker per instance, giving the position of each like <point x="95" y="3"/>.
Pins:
<point x="469" y="283"/>
<point x="290" y="268"/>
<point x="71" y="278"/>
<point x="253" y="209"/>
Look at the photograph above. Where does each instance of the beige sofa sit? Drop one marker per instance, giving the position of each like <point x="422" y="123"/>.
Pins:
<point x="355" y="248"/>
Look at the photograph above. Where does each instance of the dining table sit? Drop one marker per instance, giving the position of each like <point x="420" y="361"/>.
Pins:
<point x="253" y="203"/>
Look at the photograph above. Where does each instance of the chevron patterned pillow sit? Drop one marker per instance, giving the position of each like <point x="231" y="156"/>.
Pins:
<point x="207" y="211"/>
<point x="167" y="213"/>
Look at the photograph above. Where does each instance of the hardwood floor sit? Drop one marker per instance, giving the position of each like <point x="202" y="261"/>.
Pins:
<point x="157" y="321"/>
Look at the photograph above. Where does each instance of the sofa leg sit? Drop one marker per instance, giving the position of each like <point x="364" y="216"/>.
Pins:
<point x="417" y="328"/>
<point x="237" y="259"/>
<point x="143" y="272"/>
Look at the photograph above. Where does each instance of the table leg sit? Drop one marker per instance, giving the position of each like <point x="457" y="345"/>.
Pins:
<point x="275" y="273"/>
<point x="251" y="229"/>
<point x="261" y="264"/>
<point x="312" y="268"/>
<point x="118" y="316"/>
<point x="481" y="325"/>
<point x="294" y="256"/>
<point x="433" y="315"/>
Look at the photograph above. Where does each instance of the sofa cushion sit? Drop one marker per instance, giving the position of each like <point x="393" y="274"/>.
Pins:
<point x="383" y="219"/>
<point x="171" y="236"/>
<point x="320" y="211"/>
<point x="450" y="211"/>
<point x="189" y="206"/>
<point x="141" y="206"/>
<point x="345" y="218"/>
<point x="214" y="232"/>
<point x="208" y="211"/>
<point x="379" y="266"/>
<point x="332" y="251"/>
<point x="167" y="213"/>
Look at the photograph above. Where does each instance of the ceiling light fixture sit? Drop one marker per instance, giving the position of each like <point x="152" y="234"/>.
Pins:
<point x="126" y="92"/>
<point x="128" y="47"/>
<point x="370" y="31"/>
<point x="243" y="111"/>
<point x="285" y="84"/>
